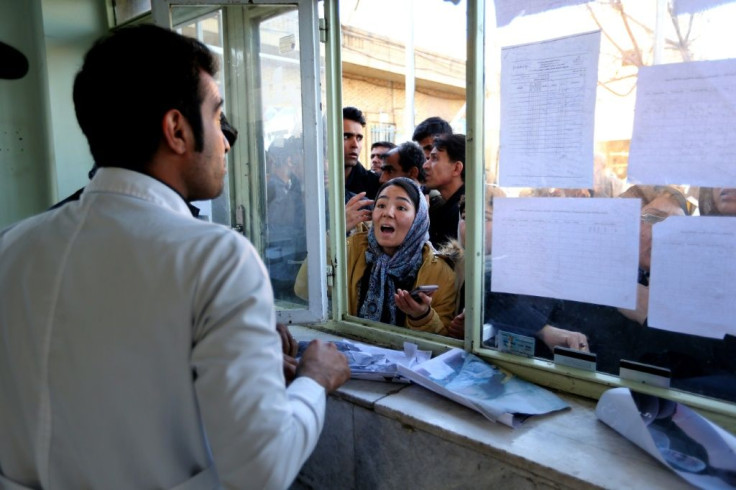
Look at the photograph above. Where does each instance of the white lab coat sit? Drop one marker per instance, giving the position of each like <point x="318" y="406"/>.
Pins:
<point x="138" y="350"/>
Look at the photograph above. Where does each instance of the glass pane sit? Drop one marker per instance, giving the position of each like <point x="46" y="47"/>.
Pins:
<point x="128" y="9"/>
<point x="562" y="275"/>
<point x="398" y="71"/>
<point x="281" y="109"/>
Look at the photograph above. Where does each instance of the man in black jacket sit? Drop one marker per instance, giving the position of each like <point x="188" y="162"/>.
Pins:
<point x="357" y="178"/>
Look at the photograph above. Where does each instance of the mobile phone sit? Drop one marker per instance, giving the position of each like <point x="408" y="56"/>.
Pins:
<point x="427" y="288"/>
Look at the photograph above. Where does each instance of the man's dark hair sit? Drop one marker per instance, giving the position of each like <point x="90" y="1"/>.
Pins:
<point x="128" y="81"/>
<point x="383" y="144"/>
<point x="454" y="146"/>
<point x="410" y="155"/>
<point x="353" y="114"/>
<point x="432" y="126"/>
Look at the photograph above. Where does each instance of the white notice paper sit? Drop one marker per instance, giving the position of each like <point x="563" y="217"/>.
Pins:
<point x="692" y="284"/>
<point x="680" y="7"/>
<point x="547" y="113"/>
<point x="685" y="125"/>
<point x="569" y="248"/>
<point x="507" y="10"/>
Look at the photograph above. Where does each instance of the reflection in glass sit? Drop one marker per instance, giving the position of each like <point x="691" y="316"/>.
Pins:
<point x="284" y="225"/>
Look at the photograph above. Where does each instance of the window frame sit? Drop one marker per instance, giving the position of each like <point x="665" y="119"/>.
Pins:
<point x="547" y="373"/>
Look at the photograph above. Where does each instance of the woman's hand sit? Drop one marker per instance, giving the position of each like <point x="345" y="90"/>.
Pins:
<point x="354" y="212"/>
<point x="415" y="310"/>
<point x="456" y="329"/>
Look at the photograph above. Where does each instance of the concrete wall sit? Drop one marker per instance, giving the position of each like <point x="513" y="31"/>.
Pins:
<point x="360" y="449"/>
<point x="26" y="176"/>
<point x="43" y="153"/>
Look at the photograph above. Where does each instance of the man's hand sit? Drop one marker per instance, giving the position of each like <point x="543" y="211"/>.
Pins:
<point x="553" y="336"/>
<point x="289" y="345"/>
<point x="290" y="366"/>
<point x="326" y="365"/>
<point x="457" y="326"/>
<point x="353" y="212"/>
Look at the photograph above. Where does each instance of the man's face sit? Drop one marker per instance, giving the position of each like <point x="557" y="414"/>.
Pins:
<point x="204" y="177"/>
<point x="352" y="133"/>
<point x="376" y="161"/>
<point x="391" y="168"/>
<point x="440" y="170"/>
<point x="426" y="144"/>
<point x="656" y="211"/>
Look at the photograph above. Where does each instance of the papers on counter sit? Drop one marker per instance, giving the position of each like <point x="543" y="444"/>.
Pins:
<point x="470" y="381"/>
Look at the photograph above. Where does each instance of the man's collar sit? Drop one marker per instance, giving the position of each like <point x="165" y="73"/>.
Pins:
<point x="137" y="184"/>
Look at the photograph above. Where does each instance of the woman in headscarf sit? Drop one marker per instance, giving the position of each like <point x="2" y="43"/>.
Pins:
<point x="394" y="257"/>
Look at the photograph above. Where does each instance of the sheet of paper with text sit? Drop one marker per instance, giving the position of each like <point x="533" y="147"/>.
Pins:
<point x="685" y="125"/>
<point x="508" y="10"/>
<point x="568" y="248"/>
<point x="547" y="113"/>
<point x="691" y="284"/>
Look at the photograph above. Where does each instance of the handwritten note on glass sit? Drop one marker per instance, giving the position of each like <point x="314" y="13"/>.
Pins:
<point x="685" y="125"/>
<point x="569" y="248"/>
<point x="547" y="113"/>
<point x="692" y="285"/>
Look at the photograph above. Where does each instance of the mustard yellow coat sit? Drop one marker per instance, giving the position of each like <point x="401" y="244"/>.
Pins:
<point x="434" y="270"/>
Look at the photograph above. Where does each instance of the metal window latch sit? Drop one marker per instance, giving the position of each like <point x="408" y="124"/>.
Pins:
<point x="322" y="31"/>
<point x="330" y="275"/>
<point x="239" y="219"/>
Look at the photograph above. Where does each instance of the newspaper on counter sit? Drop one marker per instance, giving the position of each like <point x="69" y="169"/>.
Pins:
<point x="377" y="363"/>
<point x="687" y="443"/>
<point x="496" y="394"/>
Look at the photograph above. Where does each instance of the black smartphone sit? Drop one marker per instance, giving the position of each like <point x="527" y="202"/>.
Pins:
<point x="427" y="288"/>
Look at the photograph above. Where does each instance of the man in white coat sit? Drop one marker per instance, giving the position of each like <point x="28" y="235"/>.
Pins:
<point x="139" y="347"/>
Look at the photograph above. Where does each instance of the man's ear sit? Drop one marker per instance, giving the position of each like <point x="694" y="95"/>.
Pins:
<point x="459" y="168"/>
<point x="176" y="131"/>
<point x="414" y="173"/>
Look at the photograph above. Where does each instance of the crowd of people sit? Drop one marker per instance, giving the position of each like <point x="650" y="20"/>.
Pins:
<point x="387" y="258"/>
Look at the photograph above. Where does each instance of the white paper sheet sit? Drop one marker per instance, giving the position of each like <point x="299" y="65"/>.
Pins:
<point x="685" y="125"/>
<point x="547" y="113"/>
<point x="693" y="6"/>
<point x="674" y="435"/>
<point x="507" y="10"/>
<point x="692" y="285"/>
<point x="576" y="249"/>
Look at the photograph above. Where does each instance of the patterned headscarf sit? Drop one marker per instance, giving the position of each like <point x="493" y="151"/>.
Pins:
<point x="403" y="264"/>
